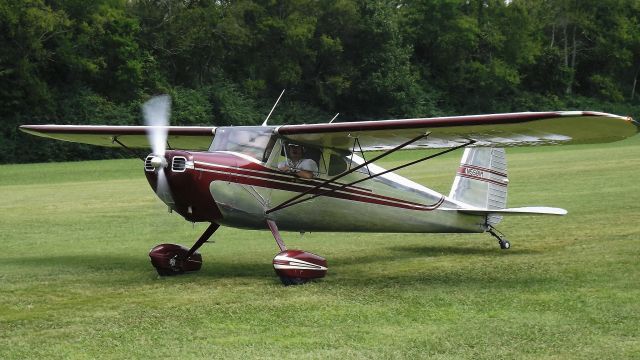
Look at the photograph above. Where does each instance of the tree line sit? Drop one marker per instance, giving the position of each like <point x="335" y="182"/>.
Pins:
<point x="225" y="62"/>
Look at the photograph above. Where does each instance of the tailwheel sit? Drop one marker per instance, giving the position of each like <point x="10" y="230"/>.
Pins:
<point x="173" y="259"/>
<point x="502" y="240"/>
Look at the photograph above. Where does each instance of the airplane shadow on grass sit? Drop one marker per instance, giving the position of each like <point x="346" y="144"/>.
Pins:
<point x="95" y="266"/>
<point x="461" y="273"/>
<point x="341" y="267"/>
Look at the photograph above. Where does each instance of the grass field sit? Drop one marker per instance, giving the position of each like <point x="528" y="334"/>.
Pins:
<point x="76" y="282"/>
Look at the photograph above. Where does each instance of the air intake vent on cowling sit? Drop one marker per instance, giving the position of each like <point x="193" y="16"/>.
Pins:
<point x="147" y="163"/>
<point x="179" y="164"/>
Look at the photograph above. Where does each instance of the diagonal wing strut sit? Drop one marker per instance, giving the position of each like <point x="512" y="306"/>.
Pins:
<point x="287" y="203"/>
<point x="294" y="200"/>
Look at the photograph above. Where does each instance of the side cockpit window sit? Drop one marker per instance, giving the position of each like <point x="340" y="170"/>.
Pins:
<point x="289" y="156"/>
<point x="256" y="142"/>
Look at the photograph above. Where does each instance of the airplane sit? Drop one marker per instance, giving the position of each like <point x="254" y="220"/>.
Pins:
<point x="230" y="175"/>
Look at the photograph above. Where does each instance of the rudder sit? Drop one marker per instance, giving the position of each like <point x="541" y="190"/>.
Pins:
<point x="481" y="180"/>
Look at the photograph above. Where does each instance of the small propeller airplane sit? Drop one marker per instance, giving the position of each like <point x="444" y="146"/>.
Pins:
<point x="316" y="177"/>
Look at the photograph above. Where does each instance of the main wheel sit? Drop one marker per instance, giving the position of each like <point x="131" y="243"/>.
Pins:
<point x="170" y="259"/>
<point x="168" y="271"/>
<point x="295" y="267"/>
<point x="505" y="244"/>
<point x="287" y="281"/>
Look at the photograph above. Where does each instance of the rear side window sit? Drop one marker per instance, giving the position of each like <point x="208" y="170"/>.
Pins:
<point x="337" y="164"/>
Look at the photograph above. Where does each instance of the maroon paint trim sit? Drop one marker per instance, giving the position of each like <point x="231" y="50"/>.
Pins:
<point x="352" y="197"/>
<point x="481" y="169"/>
<point x="482" y="179"/>
<point x="297" y="185"/>
<point x="493" y="119"/>
<point x="280" y="176"/>
<point x="117" y="130"/>
<point x="275" y="175"/>
<point x="398" y="203"/>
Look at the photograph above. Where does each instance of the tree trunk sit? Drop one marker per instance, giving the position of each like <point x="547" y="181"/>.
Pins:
<point x="572" y="67"/>
<point x="635" y="82"/>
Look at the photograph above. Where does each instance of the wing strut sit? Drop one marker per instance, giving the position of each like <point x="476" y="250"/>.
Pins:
<point x="291" y="201"/>
<point x="287" y="203"/>
<point x="356" y="141"/>
<point x="133" y="152"/>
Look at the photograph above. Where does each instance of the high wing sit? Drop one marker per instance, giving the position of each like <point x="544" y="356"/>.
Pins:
<point x="499" y="130"/>
<point x="179" y="137"/>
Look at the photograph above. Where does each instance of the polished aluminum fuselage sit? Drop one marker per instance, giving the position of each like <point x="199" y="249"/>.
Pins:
<point x="244" y="189"/>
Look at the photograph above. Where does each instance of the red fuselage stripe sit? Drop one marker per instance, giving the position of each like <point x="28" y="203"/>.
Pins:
<point x="287" y="184"/>
<point x="481" y="179"/>
<point x="303" y="184"/>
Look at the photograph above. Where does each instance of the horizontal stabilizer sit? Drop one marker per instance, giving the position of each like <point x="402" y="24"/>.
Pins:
<point x="532" y="210"/>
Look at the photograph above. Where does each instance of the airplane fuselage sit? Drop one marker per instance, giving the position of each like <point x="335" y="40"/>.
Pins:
<point x="234" y="189"/>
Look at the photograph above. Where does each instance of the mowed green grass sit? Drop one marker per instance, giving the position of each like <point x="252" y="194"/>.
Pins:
<point x="76" y="282"/>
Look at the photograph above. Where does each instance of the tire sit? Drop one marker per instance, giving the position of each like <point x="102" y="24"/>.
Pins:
<point x="288" y="281"/>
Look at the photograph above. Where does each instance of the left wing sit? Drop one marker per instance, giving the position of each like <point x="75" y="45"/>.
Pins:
<point x="499" y="130"/>
<point x="179" y="137"/>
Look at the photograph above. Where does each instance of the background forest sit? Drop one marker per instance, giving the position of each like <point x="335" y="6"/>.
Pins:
<point x="225" y="62"/>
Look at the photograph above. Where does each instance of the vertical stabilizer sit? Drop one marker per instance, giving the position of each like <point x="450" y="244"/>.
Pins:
<point x="481" y="180"/>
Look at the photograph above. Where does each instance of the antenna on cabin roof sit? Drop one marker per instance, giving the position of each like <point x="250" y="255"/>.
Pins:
<point x="274" y="106"/>
<point x="334" y="118"/>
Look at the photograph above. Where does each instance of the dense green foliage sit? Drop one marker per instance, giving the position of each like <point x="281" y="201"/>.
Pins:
<point x="224" y="62"/>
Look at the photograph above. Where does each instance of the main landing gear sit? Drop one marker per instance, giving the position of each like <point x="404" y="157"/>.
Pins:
<point x="173" y="259"/>
<point x="502" y="241"/>
<point x="296" y="267"/>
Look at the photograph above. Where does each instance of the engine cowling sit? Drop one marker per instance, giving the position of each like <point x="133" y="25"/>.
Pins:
<point x="296" y="267"/>
<point x="189" y="188"/>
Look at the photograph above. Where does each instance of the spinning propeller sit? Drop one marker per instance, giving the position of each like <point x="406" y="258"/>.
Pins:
<point x="156" y="115"/>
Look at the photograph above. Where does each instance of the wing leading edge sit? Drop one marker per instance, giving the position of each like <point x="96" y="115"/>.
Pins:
<point x="179" y="137"/>
<point x="495" y="130"/>
<point x="499" y="130"/>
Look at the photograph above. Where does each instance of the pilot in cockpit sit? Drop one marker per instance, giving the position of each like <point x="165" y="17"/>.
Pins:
<point x="296" y="164"/>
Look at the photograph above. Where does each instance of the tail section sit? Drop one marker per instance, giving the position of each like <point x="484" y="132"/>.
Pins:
<point x="481" y="180"/>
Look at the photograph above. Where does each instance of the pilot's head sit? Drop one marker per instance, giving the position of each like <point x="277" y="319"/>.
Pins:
<point x="295" y="151"/>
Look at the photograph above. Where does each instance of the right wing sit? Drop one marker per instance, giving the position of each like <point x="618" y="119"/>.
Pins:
<point x="494" y="130"/>
<point x="180" y="137"/>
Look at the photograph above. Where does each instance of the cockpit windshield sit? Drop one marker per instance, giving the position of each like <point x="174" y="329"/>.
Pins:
<point x="256" y="142"/>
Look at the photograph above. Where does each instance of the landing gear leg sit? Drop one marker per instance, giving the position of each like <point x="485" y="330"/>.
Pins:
<point x="295" y="267"/>
<point x="203" y="239"/>
<point x="502" y="241"/>
<point x="173" y="259"/>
